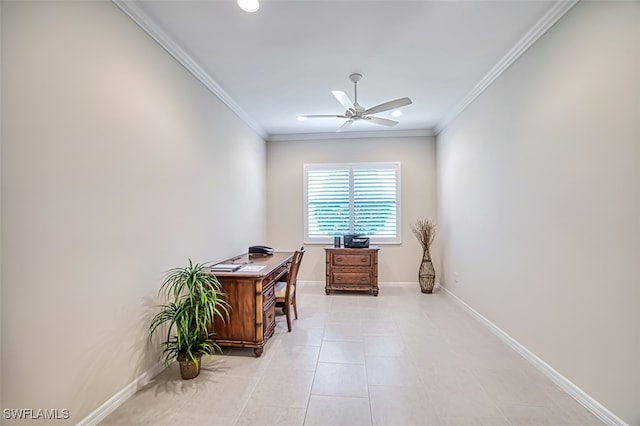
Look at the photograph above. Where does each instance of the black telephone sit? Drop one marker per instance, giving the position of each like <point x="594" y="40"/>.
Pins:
<point x="260" y="250"/>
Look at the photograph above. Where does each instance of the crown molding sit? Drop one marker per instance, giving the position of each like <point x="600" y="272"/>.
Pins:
<point x="556" y="12"/>
<point x="552" y="16"/>
<point x="163" y="39"/>
<point x="350" y="135"/>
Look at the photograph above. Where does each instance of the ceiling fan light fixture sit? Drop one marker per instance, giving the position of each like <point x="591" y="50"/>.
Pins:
<point x="356" y="112"/>
<point x="249" y="5"/>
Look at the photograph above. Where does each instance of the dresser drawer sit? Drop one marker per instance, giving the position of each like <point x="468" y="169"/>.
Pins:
<point x="352" y="278"/>
<point x="352" y="259"/>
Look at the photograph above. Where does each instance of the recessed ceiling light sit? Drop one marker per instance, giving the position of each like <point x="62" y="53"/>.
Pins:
<point x="249" y="5"/>
<point x="396" y="113"/>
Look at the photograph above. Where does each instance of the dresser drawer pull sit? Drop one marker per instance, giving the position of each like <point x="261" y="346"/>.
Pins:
<point x="338" y="259"/>
<point x="363" y="279"/>
<point x="364" y="259"/>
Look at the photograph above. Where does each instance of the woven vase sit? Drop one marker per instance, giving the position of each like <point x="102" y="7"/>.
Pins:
<point x="426" y="274"/>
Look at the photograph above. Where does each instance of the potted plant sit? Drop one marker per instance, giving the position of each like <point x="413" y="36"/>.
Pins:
<point x="425" y="232"/>
<point x="195" y="299"/>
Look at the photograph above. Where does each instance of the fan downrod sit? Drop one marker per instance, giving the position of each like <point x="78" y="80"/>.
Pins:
<point x="358" y="109"/>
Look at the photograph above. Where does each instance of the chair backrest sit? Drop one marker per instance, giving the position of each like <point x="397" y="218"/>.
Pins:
<point x="296" y="260"/>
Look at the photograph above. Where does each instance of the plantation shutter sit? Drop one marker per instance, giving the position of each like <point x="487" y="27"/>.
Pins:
<point x="327" y="203"/>
<point x="374" y="198"/>
<point x="362" y="198"/>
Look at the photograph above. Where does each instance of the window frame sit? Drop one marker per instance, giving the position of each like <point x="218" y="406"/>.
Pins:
<point x="373" y="239"/>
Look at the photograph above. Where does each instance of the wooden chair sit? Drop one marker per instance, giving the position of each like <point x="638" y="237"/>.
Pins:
<point x="286" y="290"/>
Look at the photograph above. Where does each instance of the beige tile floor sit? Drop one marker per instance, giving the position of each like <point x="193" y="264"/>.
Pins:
<point x="402" y="358"/>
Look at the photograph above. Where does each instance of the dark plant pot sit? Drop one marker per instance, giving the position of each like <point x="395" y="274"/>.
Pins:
<point x="426" y="276"/>
<point x="190" y="369"/>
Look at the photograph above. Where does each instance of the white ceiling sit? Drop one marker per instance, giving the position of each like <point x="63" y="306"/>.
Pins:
<point x="285" y="59"/>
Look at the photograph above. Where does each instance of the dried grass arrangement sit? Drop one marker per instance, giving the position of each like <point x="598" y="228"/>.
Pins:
<point x="425" y="232"/>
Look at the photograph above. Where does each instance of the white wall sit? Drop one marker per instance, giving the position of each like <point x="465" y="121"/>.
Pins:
<point x="117" y="165"/>
<point x="1" y="404"/>
<point x="539" y="202"/>
<point x="285" y="197"/>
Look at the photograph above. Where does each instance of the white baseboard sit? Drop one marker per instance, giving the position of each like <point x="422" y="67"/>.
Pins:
<point x="118" y="399"/>
<point x="380" y="283"/>
<point x="565" y="384"/>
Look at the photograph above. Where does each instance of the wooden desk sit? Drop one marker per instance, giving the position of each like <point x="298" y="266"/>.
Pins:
<point x="354" y="269"/>
<point x="252" y="317"/>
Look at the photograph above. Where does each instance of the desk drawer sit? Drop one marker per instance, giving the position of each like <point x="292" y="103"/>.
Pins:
<point x="363" y="260"/>
<point x="268" y="295"/>
<point x="269" y="319"/>
<point x="277" y="275"/>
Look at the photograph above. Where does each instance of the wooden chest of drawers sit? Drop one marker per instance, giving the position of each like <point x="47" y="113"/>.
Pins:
<point x="352" y="269"/>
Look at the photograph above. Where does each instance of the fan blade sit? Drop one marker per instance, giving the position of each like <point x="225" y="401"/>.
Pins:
<point x="345" y="126"/>
<point x="343" y="99"/>
<point x="382" y="121"/>
<point x="397" y="103"/>
<point x="321" y="116"/>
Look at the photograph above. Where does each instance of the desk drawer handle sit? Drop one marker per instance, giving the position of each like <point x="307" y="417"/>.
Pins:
<point x="363" y="279"/>
<point x="364" y="259"/>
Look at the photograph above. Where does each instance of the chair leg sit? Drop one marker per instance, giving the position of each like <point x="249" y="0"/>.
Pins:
<point x="288" y="315"/>
<point x="295" y="306"/>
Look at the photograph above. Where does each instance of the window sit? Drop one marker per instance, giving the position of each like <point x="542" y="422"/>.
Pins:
<point x="360" y="198"/>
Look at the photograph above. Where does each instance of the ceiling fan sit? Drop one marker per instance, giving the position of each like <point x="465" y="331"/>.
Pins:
<point x="356" y="112"/>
